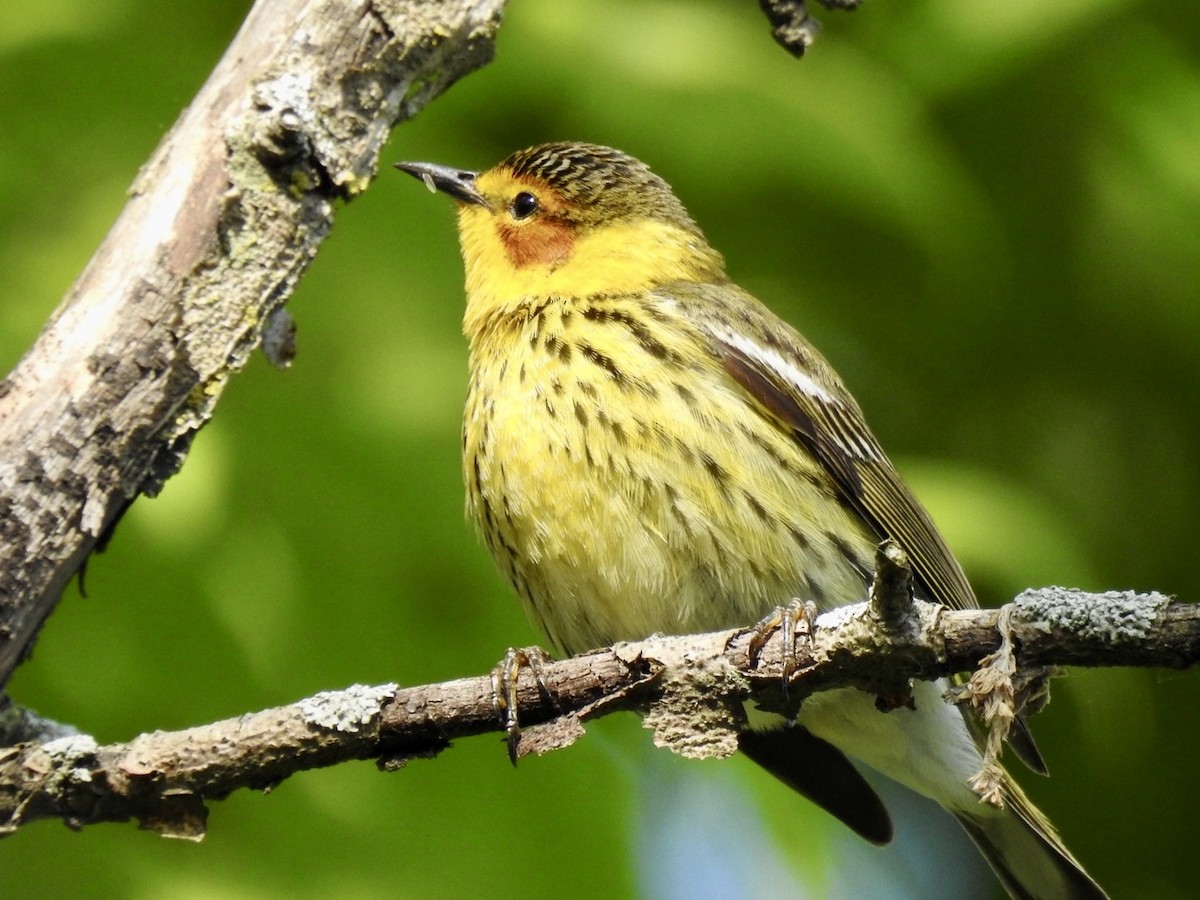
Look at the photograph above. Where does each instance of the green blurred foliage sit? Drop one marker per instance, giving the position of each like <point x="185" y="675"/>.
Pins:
<point x="986" y="212"/>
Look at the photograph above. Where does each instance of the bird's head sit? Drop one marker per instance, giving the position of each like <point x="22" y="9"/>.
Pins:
<point x="568" y="220"/>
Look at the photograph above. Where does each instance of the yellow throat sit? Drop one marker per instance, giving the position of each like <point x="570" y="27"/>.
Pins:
<point x="512" y="263"/>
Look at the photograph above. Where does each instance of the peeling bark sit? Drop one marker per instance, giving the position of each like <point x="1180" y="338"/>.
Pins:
<point x="221" y="223"/>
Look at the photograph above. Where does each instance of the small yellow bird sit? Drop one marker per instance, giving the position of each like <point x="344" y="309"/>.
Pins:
<point x="647" y="448"/>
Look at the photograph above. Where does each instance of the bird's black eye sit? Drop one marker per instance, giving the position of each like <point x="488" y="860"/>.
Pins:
<point x="523" y="205"/>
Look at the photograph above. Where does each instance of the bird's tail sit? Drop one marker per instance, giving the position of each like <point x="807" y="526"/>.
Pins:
<point x="1025" y="852"/>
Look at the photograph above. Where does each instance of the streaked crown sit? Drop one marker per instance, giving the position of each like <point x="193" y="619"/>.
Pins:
<point x="600" y="184"/>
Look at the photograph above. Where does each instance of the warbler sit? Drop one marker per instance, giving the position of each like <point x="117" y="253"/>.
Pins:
<point x="647" y="448"/>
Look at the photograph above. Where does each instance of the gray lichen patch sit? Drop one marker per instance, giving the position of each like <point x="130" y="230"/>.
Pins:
<point x="349" y="710"/>
<point x="1119" y="617"/>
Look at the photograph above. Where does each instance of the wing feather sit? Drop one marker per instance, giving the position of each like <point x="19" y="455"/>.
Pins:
<point x="793" y="384"/>
<point x="790" y="381"/>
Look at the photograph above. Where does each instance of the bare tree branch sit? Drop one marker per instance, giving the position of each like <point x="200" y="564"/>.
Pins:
<point x="791" y="25"/>
<point x="222" y="221"/>
<point x="690" y="689"/>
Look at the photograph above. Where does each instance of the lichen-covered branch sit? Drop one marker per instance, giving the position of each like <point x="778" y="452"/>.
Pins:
<point x="222" y="221"/>
<point x="690" y="690"/>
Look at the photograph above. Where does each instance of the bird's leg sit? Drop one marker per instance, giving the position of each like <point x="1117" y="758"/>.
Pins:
<point x="504" y="689"/>
<point x="798" y="617"/>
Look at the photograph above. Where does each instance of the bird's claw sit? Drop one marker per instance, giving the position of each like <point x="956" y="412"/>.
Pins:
<point x="798" y="617"/>
<point x="504" y="689"/>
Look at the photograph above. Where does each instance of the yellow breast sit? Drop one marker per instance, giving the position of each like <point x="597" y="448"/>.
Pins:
<point x="626" y="485"/>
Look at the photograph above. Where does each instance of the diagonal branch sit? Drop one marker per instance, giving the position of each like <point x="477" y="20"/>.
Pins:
<point x="222" y="221"/>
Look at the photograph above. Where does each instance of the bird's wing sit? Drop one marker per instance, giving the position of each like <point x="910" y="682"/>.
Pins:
<point x="794" y="385"/>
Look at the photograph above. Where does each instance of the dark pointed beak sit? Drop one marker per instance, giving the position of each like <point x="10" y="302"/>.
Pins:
<point x="458" y="183"/>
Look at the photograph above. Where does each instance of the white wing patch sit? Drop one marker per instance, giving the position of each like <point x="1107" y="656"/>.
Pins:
<point x="774" y="362"/>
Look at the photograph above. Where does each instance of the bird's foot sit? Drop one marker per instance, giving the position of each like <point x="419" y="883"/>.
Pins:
<point x="797" y="618"/>
<point x="504" y="689"/>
